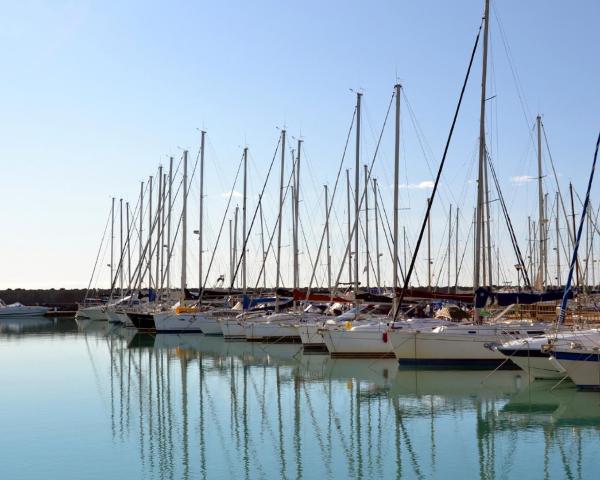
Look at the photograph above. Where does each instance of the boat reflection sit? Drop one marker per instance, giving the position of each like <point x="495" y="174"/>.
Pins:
<point x="200" y="407"/>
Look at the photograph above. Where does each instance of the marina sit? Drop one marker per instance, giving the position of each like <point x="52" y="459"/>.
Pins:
<point x="263" y="278"/>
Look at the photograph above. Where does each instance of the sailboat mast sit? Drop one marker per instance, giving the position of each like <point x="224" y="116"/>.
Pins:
<point x="279" y="220"/>
<point x="141" y="251"/>
<point x="356" y="187"/>
<point x="235" y="237"/>
<point x="449" y="243"/>
<point x="456" y="253"/>
<point x="128" y="247"/>
<point x="349" y="227"/>
<point x="327" y="237"/>
<point x="397" y="87"/>
<point x="169" y="225"/>
<point x="262" y="241"/>
<point x="121" y="245"/>
<point x="184" y="228"/>
<point x="112" y="241"/>
<point x="376" y="207"/>
<point x="428" y="247"/>
<point x="244" y="202"/>
<point x="541" y="272"/>
<point x="297" y="218"/>
<point x="201" y="214"/>
<point x="558" y="277"/>
<point x="149" y="266"/>
<point x="159" y="206"/>
<point x="479" y="252"/>
<point x="578" y="275"/>
<point x="368" y="263"/>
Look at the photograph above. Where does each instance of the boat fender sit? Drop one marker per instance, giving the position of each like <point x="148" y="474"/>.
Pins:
<point x="384" y="337"/>
<point x="348" y="325"/>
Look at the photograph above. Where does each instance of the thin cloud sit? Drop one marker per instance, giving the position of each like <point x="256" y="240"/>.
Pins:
<point x="521" y="179"/>
<point x="232" y="193"/>
<point x="424" y="185"/>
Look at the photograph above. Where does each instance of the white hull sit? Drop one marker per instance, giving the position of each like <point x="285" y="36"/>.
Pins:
<point x="366" y="341"/>
<point x="22" y="311"/>
<point x="583" y="367"/>
<point x="171" y="322"/>
<point x="538" y="367"/>
<point x="92" y="313"/>
<point x="233" y="329"/>
<point x="271" y="332"/>
<point x="464" y="345"/>
<point x="311" y="336"/>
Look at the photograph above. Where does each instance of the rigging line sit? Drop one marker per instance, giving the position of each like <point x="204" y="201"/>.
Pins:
<point x="439" y="174"/>
<point x="462" y="258"/>
<point x="362" y="197"/>
<point x="329" y="208"/>
<point x="509" y="225"/>
<point x="563" y="304"/>
<point x="212" y="257"/>
<point x="249" y="232"/>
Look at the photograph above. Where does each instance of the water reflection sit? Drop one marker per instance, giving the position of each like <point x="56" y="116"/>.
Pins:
<point x="190" y="406"/>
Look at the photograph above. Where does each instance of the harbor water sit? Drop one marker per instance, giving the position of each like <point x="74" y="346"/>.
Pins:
<point x="87" y="400"/>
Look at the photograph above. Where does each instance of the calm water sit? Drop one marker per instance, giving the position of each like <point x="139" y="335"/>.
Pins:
<point x="90" y="401"/>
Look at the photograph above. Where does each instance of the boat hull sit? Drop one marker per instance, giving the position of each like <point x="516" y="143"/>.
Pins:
<point x="582" y="367"/>
<point x="232" y="329"/>
<point x="142" y="321"/>
<point x="92" y="313"/>
<point x="358" y="343"/>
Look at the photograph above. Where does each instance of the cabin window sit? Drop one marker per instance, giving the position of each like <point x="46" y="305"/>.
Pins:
<point x="472" y="331"/>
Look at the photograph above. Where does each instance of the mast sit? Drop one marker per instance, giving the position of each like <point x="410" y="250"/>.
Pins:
<point x="541" y="271"/>
<point x="235" y="237"/>
<point x="449" y="243"/>
<point x="349" y="229"/>
<point x="356" y="187"/>
<point x="112" y="242"/>
<point x="487" y="226"/>
<point x="184" y="229"/>
<point x="296" y="217"/>
<point x="121" y="245"/>
<point x="279" y="220"/>
<point x="159" y="207"/>
<point x="141" y="251"/>
<point x="397" y="88"/>
<point x="479" y="252"/>
<point x="149" y="266"/>
<point x="327" y="236"/>
<point x="162" y="231"/>
<point x="456" y="253"/>
<point x="231" y="251"/>
<point x="128" y="248"/>
<point x="368" y="263"/>
<point x="558" y="278"/>
<point x="201" y="214"/>
<point x="428" y="248"/>
<point x="244" y="201"/>
<point x="378" y="264"/>
<point x="169" y="225"/>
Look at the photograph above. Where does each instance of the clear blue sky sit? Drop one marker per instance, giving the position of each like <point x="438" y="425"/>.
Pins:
<point x="96" y="93"/>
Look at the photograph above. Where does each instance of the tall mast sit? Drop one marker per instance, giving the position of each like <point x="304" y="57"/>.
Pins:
<point x="428" y="247"/>
<point x="244" y="201"/>
<point x="349" y="227"/>
<point x="378" y="263"/>
<point x="541" y="229"/>
<point x="479" y="252"/>
<point x="231" y="251"/>
<point x="558" y="278"/>
<point x="201" y="214"/>
<point x="456" y="252"/>
<point x="398" y="88"/>
<point x="128" y="248"/>
<point x="235" y="238"/>
<point x="141" y="251"/>
<point x="279" y="220"/>
<point x="149" y="266"/>
<point x="327" y="236"/>
<point x="184" y="229"/>
<point x="163" y="214"/>
<point x="159" y="207"/>
<point x="487" y="225"/>
<point x="368" y="263"/>
<point x="449" y="243"/>
<point x="121" y="246"/>
<point x="169" y="225"/>
<point x="356" y="187"/>
<point x="297" y="218"/>
<point x="112" y="242"/>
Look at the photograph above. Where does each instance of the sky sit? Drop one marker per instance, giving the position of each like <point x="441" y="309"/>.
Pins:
<point x="96" y="94"/>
